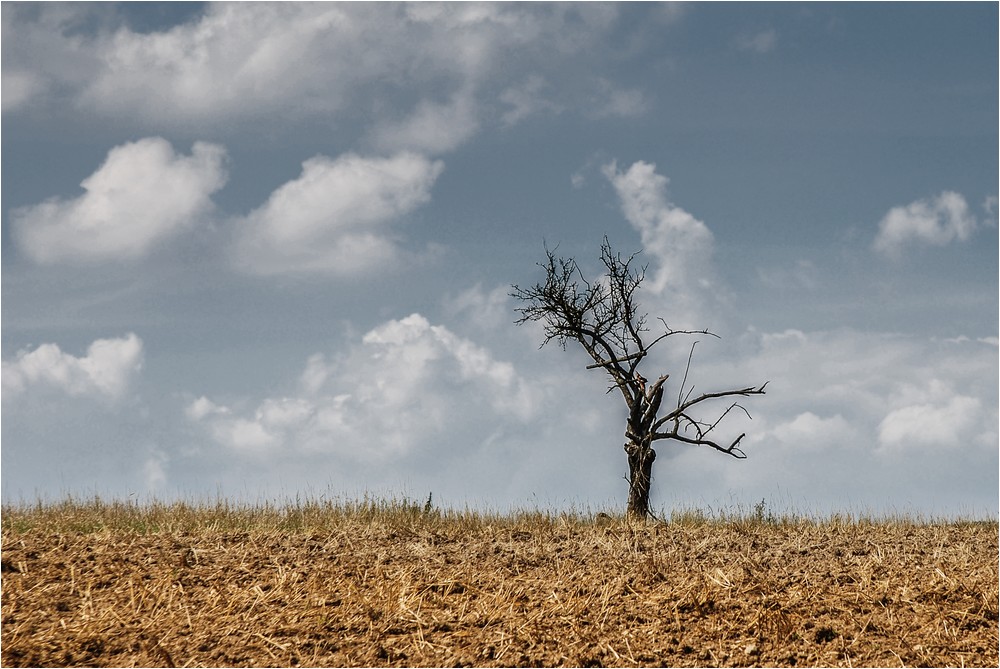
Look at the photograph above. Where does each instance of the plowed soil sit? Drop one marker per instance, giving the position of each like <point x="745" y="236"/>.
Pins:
<point x="417" y="590"/>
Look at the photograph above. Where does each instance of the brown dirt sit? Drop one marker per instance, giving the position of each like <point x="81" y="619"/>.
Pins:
<point x="415" y="590"/>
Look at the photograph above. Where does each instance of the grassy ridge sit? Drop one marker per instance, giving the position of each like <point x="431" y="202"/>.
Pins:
<point x="96" y="514"/>
<point x="398" y="582"/>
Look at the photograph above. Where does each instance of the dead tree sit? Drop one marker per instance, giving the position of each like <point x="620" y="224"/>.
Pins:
<point x="604" y="317"/>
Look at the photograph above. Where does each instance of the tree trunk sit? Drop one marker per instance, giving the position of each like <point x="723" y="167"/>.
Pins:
<point x="640" y="475"/>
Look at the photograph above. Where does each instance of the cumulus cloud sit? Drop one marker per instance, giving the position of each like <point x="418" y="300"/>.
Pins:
<point x="335" y="218"/>
<point x="407" y="386"/>
<point x="936" y="221"/>
<point x="851" y="418"/>
<point x="142" y="195"/>
<point x="896" y="392"/>
<point x="681" y="244"/>
<point x="106" y="371"/>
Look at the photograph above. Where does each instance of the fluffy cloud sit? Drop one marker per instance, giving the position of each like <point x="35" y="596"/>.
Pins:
<point x="931" y="415"/>
<point x="142" y="195"/>
<point x="408" y="384"/>
<point x="233" y="61"/>
<point x="334" y="217"/>
<point x="680" y="244"/>
<point x="930" y="425"/>
<point x="936" y="221"/>
<point x="106" y="371"/>
<point x="898" y="392"/>
<point x="850" y="418"/>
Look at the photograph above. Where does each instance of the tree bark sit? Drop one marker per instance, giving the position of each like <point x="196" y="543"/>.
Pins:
<point x="640" y="473"/>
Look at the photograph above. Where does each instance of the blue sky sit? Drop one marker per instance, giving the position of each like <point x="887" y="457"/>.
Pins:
<point x="265" y="250"/>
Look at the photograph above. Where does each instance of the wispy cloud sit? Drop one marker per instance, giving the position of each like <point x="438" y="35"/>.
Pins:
<point x="527" y="99"/>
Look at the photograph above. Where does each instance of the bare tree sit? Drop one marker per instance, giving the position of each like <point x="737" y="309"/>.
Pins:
<point x="604" y="317"/>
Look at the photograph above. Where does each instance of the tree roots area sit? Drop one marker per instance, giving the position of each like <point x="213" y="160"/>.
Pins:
<point x="428" y="590"/>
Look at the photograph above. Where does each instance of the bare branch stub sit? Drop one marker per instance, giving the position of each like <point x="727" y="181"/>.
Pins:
<point x="605" y="318"/>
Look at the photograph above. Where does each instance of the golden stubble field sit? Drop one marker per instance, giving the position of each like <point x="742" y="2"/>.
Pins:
<point x="374" y="584"/>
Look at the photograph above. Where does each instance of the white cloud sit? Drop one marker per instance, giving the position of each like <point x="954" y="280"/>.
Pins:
<point x="335" y="217"/>
<point x="808" y="432"/>
<point x="407" y="386"/>
<point x="202" y="407"/>
<point x="681" y="244"/>
<point x="243" y="62"/>
<point x="937" y="221"/>
<point x="142" y="195"/>
<point x="931" y="414"/>
<point x="890" y="389"/>
<point x="431" y="127"/>
<point x="940" y="426"/>
<point x="106" y="371"/>
<point x="759" y="42"/>
<point x="850" y="418"/>
<point x="235" y="60"/>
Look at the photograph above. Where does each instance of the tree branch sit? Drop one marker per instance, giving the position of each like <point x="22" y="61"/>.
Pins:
<point x="680" y="410"/>
<point x="605" y="318"/>
<point x="732" y="449"/>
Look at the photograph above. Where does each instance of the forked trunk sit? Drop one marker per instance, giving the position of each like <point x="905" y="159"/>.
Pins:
<point x="640" y="475"/>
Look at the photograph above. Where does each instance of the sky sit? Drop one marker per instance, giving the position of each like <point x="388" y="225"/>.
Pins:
<point x="265" y="251"/>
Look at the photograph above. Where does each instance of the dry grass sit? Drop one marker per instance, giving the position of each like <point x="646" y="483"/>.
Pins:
<point x="369" y="583"/>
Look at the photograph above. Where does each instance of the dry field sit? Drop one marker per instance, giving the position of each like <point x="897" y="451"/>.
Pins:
<point x="369" y="584"/>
